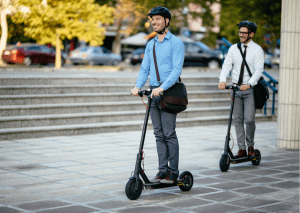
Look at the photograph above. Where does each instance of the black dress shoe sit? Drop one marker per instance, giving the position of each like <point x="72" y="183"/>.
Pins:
<point x="241" y="154"/>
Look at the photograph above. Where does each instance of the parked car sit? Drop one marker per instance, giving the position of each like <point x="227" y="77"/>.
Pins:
<point x="197" y="53"/>
<point x="137" y="56"/>
<point x="29" y="53"/>
<point x="93" y="55"/>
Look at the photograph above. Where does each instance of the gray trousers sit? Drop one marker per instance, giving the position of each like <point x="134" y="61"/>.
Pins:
<point x="164" y="125"/>
<point x="244" y="112"/>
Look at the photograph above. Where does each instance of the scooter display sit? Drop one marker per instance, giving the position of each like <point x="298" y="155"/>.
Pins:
<point x="227" y="157"/>
<point x="139" y="180"/>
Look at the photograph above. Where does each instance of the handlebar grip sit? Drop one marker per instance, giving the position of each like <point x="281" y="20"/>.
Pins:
<point x="227" y="87"/>
<point x="144" y="92"/>
<point x="141" y="93"/>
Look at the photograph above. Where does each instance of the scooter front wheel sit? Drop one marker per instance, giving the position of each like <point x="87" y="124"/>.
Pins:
<point x="187" y="180"/>
<point x="257" y="157"/>
<point x="131" y="192"/>
<point x="224" y="163"/>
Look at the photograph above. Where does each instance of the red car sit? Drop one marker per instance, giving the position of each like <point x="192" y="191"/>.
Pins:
<point x="28" y="54"/>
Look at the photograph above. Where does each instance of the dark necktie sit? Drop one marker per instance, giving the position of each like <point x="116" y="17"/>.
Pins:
<point x="242" y="69"/>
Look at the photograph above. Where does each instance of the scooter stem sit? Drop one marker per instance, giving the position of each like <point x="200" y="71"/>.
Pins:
<point x="138" y="169"/>
<point x="226" y="149"/>
<point x="145" y="125"/>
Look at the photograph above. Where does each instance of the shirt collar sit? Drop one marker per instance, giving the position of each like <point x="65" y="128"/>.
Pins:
<point x="167" y="36"/>
<point x="249" y="44"/>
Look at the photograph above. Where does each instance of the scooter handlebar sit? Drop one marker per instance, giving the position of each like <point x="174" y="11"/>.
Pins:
<point x="141" y="93"/>
<point x="144" y="92"/>
<point x="233" y="87"/>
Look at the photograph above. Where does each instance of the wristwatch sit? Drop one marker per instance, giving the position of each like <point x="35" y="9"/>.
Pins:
<point x="137" y="88"/>
<point x="249" y="85"/>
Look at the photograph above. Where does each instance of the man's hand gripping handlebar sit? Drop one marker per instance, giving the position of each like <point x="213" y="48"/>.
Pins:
<point x="141" y="93"/>
<point x="233" y="87"/>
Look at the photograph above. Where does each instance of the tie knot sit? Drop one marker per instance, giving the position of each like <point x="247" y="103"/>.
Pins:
<point x="245" y="46"/>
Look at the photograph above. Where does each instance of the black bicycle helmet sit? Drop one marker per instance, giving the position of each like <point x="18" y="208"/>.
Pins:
<point x="162" y="11"/>
<point x="250" y="25"/>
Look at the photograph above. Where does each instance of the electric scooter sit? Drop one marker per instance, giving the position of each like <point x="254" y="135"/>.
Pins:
<point x="227" y="157"/>
<point x="139" y="180"/>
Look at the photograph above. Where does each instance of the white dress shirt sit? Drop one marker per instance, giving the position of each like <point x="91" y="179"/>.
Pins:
<point x="234" y="59"/>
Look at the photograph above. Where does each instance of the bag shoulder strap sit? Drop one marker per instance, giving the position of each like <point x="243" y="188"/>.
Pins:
<point x="244" y="60"/>
<point x="155" y="62"/>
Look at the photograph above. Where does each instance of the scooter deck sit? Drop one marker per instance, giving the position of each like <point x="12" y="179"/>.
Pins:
<point x="241" y="160"/>
<point x="162" y="185"/>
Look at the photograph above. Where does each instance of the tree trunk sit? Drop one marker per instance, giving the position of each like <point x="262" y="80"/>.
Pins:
<point x="117" y="42"/>
<point x="4" y="31"/>
<point x="58" y="55"/>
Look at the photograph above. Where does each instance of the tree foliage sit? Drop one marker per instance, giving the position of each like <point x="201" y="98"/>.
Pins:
<point x="208" y="20"/>
<point x="51" y="21"/>
<point x="266" y="14"/>
<point x="16" y="32"/>
<point x="177" y="7"/>
<point x="44" y="19"/>
<point x="143" y="7"/>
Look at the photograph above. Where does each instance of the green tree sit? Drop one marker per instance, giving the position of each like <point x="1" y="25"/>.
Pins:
<point x="266" y="14"/>
<point x="130" y="12"/>
<point x="51" y="21"/>
<point x="133" y="12"/>
<point x="16" y="32"/>
<point x="208" y="20"/>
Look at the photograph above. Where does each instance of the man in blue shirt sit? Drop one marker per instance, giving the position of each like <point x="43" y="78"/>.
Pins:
<point x="169" y="52"/>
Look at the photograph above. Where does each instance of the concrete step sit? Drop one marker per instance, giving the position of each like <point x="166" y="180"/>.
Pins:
<point x="42" y="106"/>
<point x="86" y="118"/>
<point x="48" y="109"/>
<point x="87" y="80"/>
<point x="77" y="129"/>
<point x="93" y="97"/>
<point x="86" y="88"/>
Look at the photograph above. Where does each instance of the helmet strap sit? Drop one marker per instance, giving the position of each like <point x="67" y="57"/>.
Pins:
<point x="163" y="31"/>
<point x="248" y="37"/>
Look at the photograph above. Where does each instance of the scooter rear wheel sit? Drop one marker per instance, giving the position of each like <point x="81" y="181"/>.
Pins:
<point x="257" y="157"/>
<point x="130" y="190"/>
<point x="187" y="180"/>
<point x="224" y="163"/>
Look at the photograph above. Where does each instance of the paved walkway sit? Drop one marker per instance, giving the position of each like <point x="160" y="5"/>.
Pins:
<point x="88" y="173"/>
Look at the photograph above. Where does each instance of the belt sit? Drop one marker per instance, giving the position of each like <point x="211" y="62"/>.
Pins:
<point x="240" y="84"/>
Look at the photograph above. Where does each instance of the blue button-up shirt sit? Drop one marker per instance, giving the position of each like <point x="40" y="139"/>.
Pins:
<point x="169" y="56"/>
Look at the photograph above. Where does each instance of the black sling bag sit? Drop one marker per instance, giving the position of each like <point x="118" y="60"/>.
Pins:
<point x="174" y="99"/>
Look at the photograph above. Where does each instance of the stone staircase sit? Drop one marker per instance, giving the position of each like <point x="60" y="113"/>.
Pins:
<point x="42" y="107"/>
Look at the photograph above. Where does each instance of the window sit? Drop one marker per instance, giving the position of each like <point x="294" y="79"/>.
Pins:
<point x="45" y="49"/>
<point x="33" y="48"/>
<point x="192" y="48"/>
<point x="105" y="50"/>
<point x="97" y="50"/>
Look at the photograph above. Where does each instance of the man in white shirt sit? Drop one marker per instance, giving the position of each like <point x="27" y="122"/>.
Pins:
<point x="244" y="106"/>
